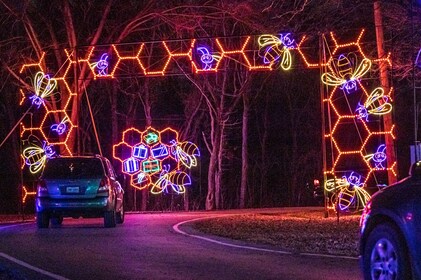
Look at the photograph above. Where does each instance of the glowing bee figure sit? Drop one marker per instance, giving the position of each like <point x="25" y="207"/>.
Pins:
<point x="36" y="156"/>
<point x="61" y="127"/>
<point x="345" y="72"/>
<point x="207" y="58"/>
<point x="376" y="104"/>
<point x="43" y="87"/>
<point x="273" y="49"/>
<point x="176" y="180"/>
<point x="186" y="153"/>
<point x="379" y="157"/>
<point x="348" y="192"/>
<point x="101" y="65"/>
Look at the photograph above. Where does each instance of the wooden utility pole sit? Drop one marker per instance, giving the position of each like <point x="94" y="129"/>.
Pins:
<point x="384" y="80"/>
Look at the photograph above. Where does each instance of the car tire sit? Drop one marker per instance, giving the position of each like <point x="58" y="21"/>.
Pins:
<point x="43" y="220"/>
<point x="385" y="254"/>
<point x="56" y="221"/>
<point x="120" y="215"/>
<point x="109" y="219"/>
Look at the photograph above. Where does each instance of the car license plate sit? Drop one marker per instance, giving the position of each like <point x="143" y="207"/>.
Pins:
<point x="72" y="189"/>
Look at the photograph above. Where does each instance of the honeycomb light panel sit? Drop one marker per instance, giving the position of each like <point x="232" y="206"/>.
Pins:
<point x="156" y="159"/>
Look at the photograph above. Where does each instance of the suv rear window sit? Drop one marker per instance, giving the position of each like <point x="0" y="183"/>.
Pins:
<point x="73" y="168"/>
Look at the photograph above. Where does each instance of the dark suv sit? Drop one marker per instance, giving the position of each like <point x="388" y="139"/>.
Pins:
<point x="390" y="242"/>
<point x="79" y="187"/>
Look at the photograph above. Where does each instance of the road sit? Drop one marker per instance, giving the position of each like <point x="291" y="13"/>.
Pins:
<point x="148" y="246"/>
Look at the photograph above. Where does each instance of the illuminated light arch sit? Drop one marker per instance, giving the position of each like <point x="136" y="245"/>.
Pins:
<point x="155" y="159"/>
<point x="246" y="55"/>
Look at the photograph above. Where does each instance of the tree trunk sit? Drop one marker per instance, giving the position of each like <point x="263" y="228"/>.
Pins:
<point x="212" y="170"/>
<point x="265" y="159"/>
<point x="244" y="151"/>
<point x="384" y="80"/>
<point x="147" y="109"/>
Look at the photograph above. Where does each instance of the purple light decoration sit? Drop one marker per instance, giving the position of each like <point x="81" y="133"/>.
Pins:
<point x="36" y="101"/>
<point x="61" y="127"/>
<point x="160" y="151"/>
<point x="361" y="112"/>
<point x="380" y="156"/>
<point x="131" y="165"/>
<point x="354" y="180"/>
<point x="48" y="149"/>
<point x="286" y="40"/>
<point x="102" y="65"/>
<point x="206" y="58"/>
<point x="140" y="151"/>
<point x="349" y="86"/>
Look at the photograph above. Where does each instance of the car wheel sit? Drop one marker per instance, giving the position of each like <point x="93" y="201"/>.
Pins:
<point x="56" y="221"/>
<point x="385" y="255"/>
<point x="120" y="215"/>
<point x="43" y="220"/>
<point x="109" y="219"/>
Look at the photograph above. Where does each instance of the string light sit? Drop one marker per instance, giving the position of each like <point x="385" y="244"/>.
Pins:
<point x="37" y="65"/>
<point x="26" y="193"/>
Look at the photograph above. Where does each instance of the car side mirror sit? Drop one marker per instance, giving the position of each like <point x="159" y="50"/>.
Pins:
<point x="415" y="170"/>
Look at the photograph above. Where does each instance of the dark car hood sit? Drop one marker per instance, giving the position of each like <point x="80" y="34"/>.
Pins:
<point x="402" y="190"/>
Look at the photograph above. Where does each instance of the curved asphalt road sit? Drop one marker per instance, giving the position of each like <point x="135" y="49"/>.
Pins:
<point x="149" y="246"/>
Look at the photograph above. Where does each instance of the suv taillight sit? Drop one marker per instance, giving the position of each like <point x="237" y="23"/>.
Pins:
<point x="104" y="185"/>
<point x="42" y="189"/>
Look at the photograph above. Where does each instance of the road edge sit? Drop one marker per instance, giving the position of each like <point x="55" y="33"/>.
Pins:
<point x="177" y="229"/>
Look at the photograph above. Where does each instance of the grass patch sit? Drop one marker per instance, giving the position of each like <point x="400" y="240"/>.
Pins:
<point x="8" y="218"/>
<point x="296" y="232"/>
